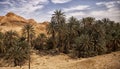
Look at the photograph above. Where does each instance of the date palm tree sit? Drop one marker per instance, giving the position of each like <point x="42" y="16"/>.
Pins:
<point x="59" y="20"/>
<point x="113" y="36"/>
<point x="2" y="47"/>
<point x="84" y="46"/>
<point x="40" y="41"/>
<point x="18" y="53"/>
<point x="28" y="30"/>
<point x="10" y="38"/>
<point x="88" y="21"/>
<point x="98" y="39"/>
<point x="72" y="29"/>
<point x="52" y="30"/>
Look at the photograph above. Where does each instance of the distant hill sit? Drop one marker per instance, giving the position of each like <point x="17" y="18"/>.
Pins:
<point x="11" y="21"/>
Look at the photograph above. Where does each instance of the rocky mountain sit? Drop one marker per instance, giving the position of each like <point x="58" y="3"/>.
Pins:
<point x="11" y="21"/>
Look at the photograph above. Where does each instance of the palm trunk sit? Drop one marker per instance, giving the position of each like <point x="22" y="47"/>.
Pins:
<point x="54" y="41"/>
<point x="29" y="59"/>
<point x="29" y="49"/>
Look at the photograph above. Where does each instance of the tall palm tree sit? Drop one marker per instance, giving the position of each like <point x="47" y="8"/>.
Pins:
<point x="59" y="20"/>
<point x="55" y="27"/>
<point x="73" y="27"/>
<point x="51" y="30"/>
<point x="58" y="17"/>
<point x="98" y="38"/>
<point x="28" y="30"/>
<point x="113" y="36"/>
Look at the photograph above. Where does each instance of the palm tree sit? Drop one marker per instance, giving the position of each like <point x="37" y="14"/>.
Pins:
<point x="40" y="41"/>
<point x="59" y="20"/>
<point x="88" y="21"/>
<point x="2" y="47"/>
<point x="73" y="26"/>
<point x="58" y="17"/>
<point x="113" y="36"/>
<point x="105" y="20"/>
<point x="84" y="46"/>
<point x="51" y="29"/>
<point x="15" y="50"/>
<point x="55" y="28"/>
<point x="18" y="53"/>
<point x="98" y="38"/>
<point x="28" y="30"/>
<point x="10" y="38"/>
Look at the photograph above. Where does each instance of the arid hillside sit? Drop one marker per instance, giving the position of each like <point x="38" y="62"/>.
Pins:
<point x="15" y="22"/>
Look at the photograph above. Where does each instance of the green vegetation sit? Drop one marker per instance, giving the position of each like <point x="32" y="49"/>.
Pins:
<point x="86" y="37"/>
<point x="83" y="38"/>
<point x="12" y="48"/>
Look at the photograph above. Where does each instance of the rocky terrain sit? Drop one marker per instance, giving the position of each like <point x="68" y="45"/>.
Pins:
<point x="15" y="22"/>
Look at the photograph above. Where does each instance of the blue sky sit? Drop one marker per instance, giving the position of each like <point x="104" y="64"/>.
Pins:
<point x="41" y="10"/>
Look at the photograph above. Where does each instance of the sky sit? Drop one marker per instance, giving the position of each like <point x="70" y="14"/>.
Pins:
<point x="42" y="10"/>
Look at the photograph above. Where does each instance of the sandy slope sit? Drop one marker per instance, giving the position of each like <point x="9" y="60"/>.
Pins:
<point x="109" y="61"/>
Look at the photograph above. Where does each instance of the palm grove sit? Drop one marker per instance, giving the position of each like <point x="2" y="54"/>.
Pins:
<point x="77" y="38"/>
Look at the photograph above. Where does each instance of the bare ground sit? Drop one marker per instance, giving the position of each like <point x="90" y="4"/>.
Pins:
<point x="107" y="61"/>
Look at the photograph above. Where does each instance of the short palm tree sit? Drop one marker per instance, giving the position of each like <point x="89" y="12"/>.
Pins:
<point x="2" y="47"/>
<point x="18" y="53"/>
<point x="10" y="38"/>
<point x="84" y="46"/>
<point x="40" y="41"/>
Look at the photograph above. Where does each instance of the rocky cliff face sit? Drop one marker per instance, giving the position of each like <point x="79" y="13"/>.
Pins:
<point x="11" y="21"/>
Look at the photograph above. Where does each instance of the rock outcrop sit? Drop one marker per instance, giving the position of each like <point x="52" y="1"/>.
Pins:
<point x="11" y="21"/>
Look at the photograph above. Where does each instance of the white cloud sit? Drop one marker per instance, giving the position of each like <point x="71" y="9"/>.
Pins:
<point x="51" y="12"/>
<point x="74" y="8"/>
<point x="108" y="4"/>
<point x="75" y="14"/>
<point x="112" y="11"/>
<point x="118" y="2"/>
<point x="113" y="14"/>
<point x="26" y="6"/>
<point x="60" y="1"/>
<point x="6" y="3"/>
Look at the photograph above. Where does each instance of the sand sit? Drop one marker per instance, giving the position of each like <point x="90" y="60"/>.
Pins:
<point x="62" y="61"/>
